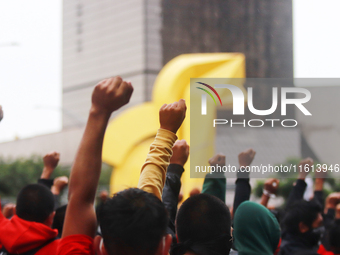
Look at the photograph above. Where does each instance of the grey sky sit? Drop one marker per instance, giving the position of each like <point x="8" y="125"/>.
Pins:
<point x="30" y="74"/>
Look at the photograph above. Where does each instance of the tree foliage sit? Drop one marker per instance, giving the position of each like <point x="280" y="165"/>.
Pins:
<point x="15" y="174"/>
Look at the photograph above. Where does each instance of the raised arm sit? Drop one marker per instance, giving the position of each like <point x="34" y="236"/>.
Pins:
<point x="108" y="96"/>
<point x="51" y="161"/>
<point x="299" y="188"/>
<point x="215" y="184"/>
<point x="173" y="181"/>
<point x="243" y="189"/>
<point x="269" y="190"/>
<point x="152" y="178"/>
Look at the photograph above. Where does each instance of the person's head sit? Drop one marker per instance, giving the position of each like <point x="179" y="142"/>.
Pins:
<point x="256" y="230"/>
<point x="304" y="220"/>
<point x="35" y="202"/>
<point x="203" y="224"/>
<point x="134" y="222"/>
<point x="302" y="217"/>
<point x="333" y="237"/>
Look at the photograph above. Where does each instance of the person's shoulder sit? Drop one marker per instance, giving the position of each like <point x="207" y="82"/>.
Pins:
<point x="50" y="248"/>
<point x="75" y="244"/>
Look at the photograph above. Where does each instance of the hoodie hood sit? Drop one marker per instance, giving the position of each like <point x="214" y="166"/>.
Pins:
<point x="256" y="230"/>
<point x="18" y="235"/>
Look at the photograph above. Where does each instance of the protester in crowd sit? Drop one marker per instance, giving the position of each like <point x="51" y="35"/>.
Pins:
<point x="256" y="230"/>
<point x="243" y="189"/>
<point x="300" y="185"/>
<point x="302" y="224"/>
<point x="330" y="242"/>
<point x="301" y="227"/>
<point x="133" y="221"/>
<point x="215" y="183"/>
<point x="172" y="187"/>
<point x="203" y="226"/>
<point x="30" y="229"/>
<point x="56" y="185"/>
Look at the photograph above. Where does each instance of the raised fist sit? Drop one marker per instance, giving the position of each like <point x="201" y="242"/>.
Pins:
<point x="217" y="160"/>
<point x="271" y="185"/>
<point x="111" y="94"/>
<point x="246" y="157"/>
<point x="332" y="200"/>
<point x="172" y="115"/>
<point x="59" y="184"/>
<point x="305" y="167"/>
<point x="180" y="153"/>
<point x="51" y="159"/>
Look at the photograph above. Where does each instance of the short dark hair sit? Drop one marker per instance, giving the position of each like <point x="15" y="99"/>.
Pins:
<point x="300" y="211"/>
<point x="204" y="217"/>
<point x="35" y="202"/>
<point x="133" y="222"/>
<point x="333" y="235"/>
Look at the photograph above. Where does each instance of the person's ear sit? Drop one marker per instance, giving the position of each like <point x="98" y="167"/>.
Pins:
<point x="49" y="221"/>
<point x="303" y="228"/>
<point x="99" y="246"/>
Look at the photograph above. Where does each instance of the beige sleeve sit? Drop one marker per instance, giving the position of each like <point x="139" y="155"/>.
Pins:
<point x="153" y="173"/>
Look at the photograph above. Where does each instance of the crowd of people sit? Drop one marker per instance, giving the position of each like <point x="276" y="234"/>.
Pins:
<point x="152" y="219"/>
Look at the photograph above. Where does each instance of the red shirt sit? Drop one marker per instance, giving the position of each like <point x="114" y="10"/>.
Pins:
<point x="76" y="244"/>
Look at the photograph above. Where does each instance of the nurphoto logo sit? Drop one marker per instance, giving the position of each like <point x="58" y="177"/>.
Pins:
<point x="239" y="105"/>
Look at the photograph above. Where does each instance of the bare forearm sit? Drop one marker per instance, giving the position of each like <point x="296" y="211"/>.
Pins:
<point x="264" y="200"/>
<point x="318" y="184"/>
<point x="46" y="173"/>
<point x="86" y="169"/>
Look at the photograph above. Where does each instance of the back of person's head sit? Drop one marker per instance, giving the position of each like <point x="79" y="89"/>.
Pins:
<point x="133" y="222"/>
<point x="300" y="211"/>
<point x="333" y="237"/>
<point x="256" y="230"/>
<point x="203" y="226"/>
<point x="35" y="202"/>
<point x="59" y="218"/>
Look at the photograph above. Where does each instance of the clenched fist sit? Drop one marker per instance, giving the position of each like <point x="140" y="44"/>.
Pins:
<point x="304" y="167"/>
<point x="246" y="157"/>
<point x="59" y="184"/>
<point x="180" y="153"/>
<point x="172" y="115"/>
<point x="51" y="159"/>
<point x="111" y="94"/>
<point x="271" y="185"/>
<point x="217" y="160"/>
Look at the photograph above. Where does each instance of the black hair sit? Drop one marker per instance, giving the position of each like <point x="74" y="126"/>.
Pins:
<point x="35" y="202"/>
<point x="59" y="218"/>
<point x="334" y="235"/>
<point x="300" y="211"/>
<point x="204" y="218"/>
<point x="133" y="222"/>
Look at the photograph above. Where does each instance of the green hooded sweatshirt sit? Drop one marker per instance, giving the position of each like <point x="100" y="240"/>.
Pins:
<point x="256" y="230"/>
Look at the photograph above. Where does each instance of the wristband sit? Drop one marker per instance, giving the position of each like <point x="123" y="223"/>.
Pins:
<point x="266" y="193"/>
